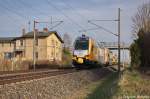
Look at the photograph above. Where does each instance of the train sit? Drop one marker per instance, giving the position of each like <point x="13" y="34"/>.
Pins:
<point x="87" y="53"/>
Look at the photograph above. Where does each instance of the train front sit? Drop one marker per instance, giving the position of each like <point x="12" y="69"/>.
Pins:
<point x="81" y="47"/>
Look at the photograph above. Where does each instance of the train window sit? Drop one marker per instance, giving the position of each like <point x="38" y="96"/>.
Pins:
<point x="81" y="45"/>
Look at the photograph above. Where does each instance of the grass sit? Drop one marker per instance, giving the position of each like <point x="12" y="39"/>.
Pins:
<point x="102" y="89"/>
<point x="129" y="86"/>
<point x="134" y="84"/>
<point x="67" y="58"/>
<point x="106" y="88"/>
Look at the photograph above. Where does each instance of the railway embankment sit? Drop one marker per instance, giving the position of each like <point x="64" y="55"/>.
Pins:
<point x="53" y="87"/>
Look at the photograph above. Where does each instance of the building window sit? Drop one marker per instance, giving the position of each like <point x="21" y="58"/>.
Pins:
<point x="57" y="55"/>
<point x="21" y="42"/>
<point x="53" y="52"/>
<point x="36" y="55"/>
<point x="8" y="55"/>
<point x="53" y="43"/>
<point x="36" y="42"/>
<point x="56" y="43"/>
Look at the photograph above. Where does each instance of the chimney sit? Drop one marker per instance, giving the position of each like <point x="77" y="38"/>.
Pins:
<point x="23" y="31"/>
<point x="45" y="29"/>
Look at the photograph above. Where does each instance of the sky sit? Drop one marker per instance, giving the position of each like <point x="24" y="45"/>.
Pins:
<point x="16" y="15"/>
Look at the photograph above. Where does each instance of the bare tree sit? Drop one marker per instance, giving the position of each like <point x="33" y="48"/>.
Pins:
<point x="67" y="41"/>
<point x="141" y="30"/>
<point x="141" y="20"/>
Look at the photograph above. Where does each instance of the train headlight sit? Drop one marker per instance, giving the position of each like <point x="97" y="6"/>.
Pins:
<point x="87" y="56"/>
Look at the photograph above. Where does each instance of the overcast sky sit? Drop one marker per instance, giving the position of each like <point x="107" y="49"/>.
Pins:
<point x="16" y="14"/>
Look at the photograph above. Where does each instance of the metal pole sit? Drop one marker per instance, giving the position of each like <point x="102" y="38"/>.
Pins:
<point x="124" y="58"/>
<point x="29" y="24"/>
<point x="34" y="58"/>
<point x="119" y="40"/>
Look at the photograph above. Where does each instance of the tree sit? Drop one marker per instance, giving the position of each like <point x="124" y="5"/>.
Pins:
<point x="140" y="49"/>
<point x="67" y="57"/>
<point x="135" y="53"/>
<point x="67" y="41"/>
<point x="141" y="20"/>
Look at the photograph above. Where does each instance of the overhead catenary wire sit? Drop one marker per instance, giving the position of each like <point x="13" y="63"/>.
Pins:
<point x="30" y="7"/>
<point x="81" y="16"/>
<point x="9" y="16"/>
<point x="90" y="29"/>
<point x="102" y="28"/>
<point x="70" y="7"/>
<point x="57" y="23"/>
<point x="59" y="10"/>
<point x="7" y="11"/>
<point x="12" y="11"/>
<point x="21" y="4"/>
<point x="89" y="21"/>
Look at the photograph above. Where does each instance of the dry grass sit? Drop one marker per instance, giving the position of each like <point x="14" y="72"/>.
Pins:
<point x="133" y="84"/>
<point x="130" y="86"/>
<point x="9" y="65"/>
<point x="102" y="89"/>
<point x="67" y="58"/>
<point x="5" y="65"/>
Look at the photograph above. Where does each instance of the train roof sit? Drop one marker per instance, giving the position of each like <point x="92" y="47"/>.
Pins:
<point x="83" y="37"/>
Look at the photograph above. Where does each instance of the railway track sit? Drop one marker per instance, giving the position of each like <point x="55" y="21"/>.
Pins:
<point x="25" y="76"/>
<point x="13" y="78"/>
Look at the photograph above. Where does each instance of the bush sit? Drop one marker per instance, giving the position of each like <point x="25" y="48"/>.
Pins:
<point x="66" y="58"/>
<point x="135" y="53"/>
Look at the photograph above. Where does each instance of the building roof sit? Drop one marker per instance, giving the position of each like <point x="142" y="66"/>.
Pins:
<point x="30" y="35"/>
<point x="6" y="39"/>
<point x="40" y="34"/>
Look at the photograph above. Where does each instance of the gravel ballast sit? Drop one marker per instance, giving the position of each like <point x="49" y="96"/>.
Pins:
<point x="54" y="87"/>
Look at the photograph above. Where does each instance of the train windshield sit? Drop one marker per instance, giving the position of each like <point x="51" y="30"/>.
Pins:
<point x="81" y="45"/>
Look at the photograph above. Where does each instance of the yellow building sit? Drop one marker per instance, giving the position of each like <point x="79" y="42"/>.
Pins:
<point x="48" y="46"/>
<point x="6" y="47"/>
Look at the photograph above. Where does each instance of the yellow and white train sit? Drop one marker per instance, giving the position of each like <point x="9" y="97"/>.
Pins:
<point x="86" y="51"/>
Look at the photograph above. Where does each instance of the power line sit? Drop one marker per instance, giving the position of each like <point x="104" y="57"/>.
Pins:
<point x="57" y="23"/>
<point x="64" y="14"/>
<point x="88" y="29"/>
<point x="18" y="4"/>
<point x="102" y="28"/>
<point x="12" y="11"/>
<point x="30" y="6"/>
<point x="10" y="17"/>
<point x="14" y="7"/>
<point x="81" y="16"/>
<point x="70" y="7"/>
